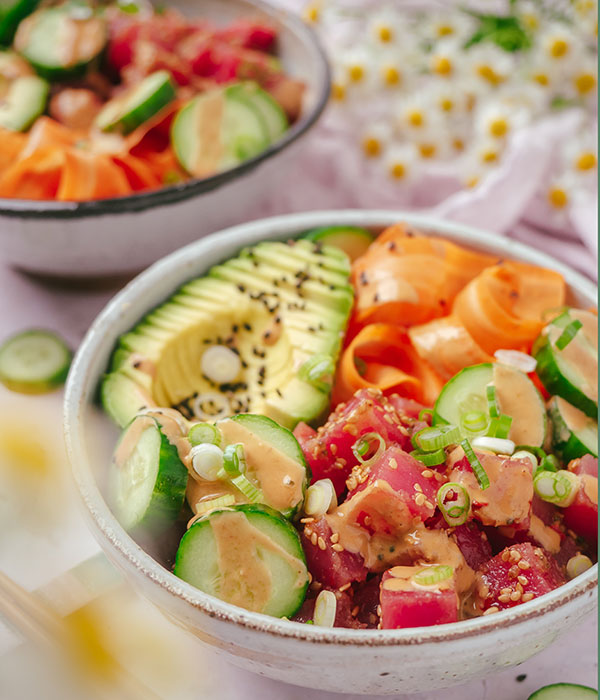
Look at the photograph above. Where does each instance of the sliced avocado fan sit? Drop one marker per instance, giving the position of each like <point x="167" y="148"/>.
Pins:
<point x="278" y="306"/>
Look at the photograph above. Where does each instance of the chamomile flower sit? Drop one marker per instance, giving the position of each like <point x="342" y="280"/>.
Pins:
<point x="446" y="58"/>
<point x="385" y="27"/>
<point x="354" y="65"/>
<point x="487" y="152"/>
<point x="581" y="154"/>
<point x="443" y="25"/>
<point x="490" y="65"/>
<point x="560" y="192"/>
<point x="498" y="120"/>
<point x="557" y="44"/>
<point x="584" y="78"/>
<point x="312" y="12"/>
<point x="529" y="15"/>
<point x="450" y="98"/>
<point x="375" y="139"/>
<point x="400" y="162"/>
<point x="415" y="113"/>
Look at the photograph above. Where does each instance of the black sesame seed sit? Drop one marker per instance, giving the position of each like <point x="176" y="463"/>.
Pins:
<point x="278" y="392"/>
<point x="241" y="288"/>
<point x="363" y="278"/>
<point x="235" y="328"/>
<point x="247" y="326"/>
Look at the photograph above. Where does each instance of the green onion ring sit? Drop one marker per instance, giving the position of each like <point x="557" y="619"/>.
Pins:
<point x="455" y="512"/>
<point x="480" y="473"/>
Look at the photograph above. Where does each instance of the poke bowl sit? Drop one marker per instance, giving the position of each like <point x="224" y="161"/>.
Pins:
<point x="174" y="126"/>
<point x="376" y="647"/>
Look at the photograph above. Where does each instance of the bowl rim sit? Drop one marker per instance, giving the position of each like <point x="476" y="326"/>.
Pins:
<point x="171" y="194"/>
<point x="131" y="556"/>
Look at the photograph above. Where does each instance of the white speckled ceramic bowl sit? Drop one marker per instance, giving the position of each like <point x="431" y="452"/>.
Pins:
<point x="358" y="661"/>
<point x="120" y="236"/>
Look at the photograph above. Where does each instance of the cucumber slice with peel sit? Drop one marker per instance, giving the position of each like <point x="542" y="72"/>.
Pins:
<point x="127" y="112"/>
<point x="573" y="433"/>
<point x="353" y="240"/>
<point x="247" y="555"/>
<point x="148" y="478"/>
<point x="271" y="111"/>
<point x="34" y="362"/>
<point x="572" y="372"/>
<point x="23" y="103"/>
<point x="564" y="691"/>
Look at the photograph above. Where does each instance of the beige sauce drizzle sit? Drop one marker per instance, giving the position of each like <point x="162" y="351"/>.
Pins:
<point x="209" y="120"/>
<point x="245" y="578"/>
<point x="590" y="487"/>
<point x="578" y="355"/>
<point x="575" y="419"/>
<point x="544" y="535"/>
<point x="280" y="477"/>
<point x="130" y="439"/>
<point x="515" y="395"/>
<point x="200" y="490"/>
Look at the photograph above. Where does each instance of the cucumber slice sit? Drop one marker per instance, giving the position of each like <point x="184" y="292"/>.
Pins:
<point x="127" y="112"/>
<point x="23" y="103"/>
<point x="275" y="461"/>
<point x="353" y="240"/>
<point x="122" y="398"/>
<point x="148" y="479"/>
<point x="216" y="131"/>
<point x="60" y="42"/>
<point x="571" y="373"/>
<point x="271" y="111"/>
<point x="248" y="555"/>
<point x="464" y="397"/>
<point x="11" y="13"/>
<point x="573" y="433"/>
<point x="564" y="691"/>
<point x="34" y="362"/>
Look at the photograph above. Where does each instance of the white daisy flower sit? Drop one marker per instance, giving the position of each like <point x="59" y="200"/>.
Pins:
<point x="580" y="154"/>
<point x="415" y="113"/>
<point x="560" y="192"/>
<point x="446" y="58"/>
<point x="584" y="79"/>
<point x="401" y="162"/>
<point x="486" y="152"/>
<point x="498" y="120"/>
<point x="452" y="99"/>
<point x="529" y="14"/>
<point x="376" y="138"/>
<point x="355" y="65"/>
<point x="386" y="27"/>
<point x="558" y="44"/>
<point x="490" y="65"/>
<point x="443" y="25"/>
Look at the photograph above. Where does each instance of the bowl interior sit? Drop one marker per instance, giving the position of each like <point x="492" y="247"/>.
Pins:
<point x="91" y="437"/>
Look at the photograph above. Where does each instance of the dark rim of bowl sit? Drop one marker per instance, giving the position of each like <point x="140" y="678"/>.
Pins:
<point x="44" y="209"/>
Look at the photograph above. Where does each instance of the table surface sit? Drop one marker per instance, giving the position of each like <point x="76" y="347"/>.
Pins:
<point x="41" y="540"/>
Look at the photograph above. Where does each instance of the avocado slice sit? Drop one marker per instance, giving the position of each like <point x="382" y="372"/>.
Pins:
<point x="22" y="101"/>
<point x="276" y="305"/>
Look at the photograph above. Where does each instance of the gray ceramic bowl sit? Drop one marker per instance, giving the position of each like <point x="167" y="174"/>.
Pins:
<point x="360" y="661"/>
<point x="123" y="235"/>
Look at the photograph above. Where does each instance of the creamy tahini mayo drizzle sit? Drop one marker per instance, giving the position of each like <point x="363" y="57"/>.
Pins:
<point x="515" y="395"/>
<point x="209" y="120"/>
<point x="584" y="360"/>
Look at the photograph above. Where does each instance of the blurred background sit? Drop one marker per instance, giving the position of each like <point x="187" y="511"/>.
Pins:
<point x="482" y="112"/>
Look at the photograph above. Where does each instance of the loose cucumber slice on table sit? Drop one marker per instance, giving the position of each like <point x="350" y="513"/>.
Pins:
<point x="60" y="42"/>
<point x="274" y="460"/>
<point x="34" y="362"/>
<point x="572" y="372"/>
<point x="564" y="691"/>
<point x="573" y="433"/>
<point x="465" y="396"/>
<point x="11" y="13"/>
<point x="271" y="111"/>
<point x="247" y="555"/>
<point x="353" y="240"/>
<point x="23" y="103"/>
<point x="217" y="130"/>
<point x="148" y="478"/>
<point x="126" y="112"/>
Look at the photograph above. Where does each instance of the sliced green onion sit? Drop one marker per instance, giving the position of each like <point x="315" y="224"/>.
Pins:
<point x="549" y="463"/>
<point x="517" y="359"/>
<point x="204" y="507"/>
<point x="234" y="459"/>
<point x="568" y="334"/>
<point x="537" y="451"/>
<point x="325" y="609"/>
<point x="493" y="409"/>
<point x="433" y="438"/>
<point x="501" y="446"/>
<point x="424" y="413"/>
<point x="220" y="364"/>
<point x="430" y="459"/>
<point x="558" y="487"/>
<point x="500" y="426"/>
<point x="318" y="371"/>
<point x="364" y="445"/>
<point x="480" y="473"/>
<point x="525" y="454"/>
<point x="252" y="493"/>
<point x="432" y="575"/>
<point x="207" y="462"/>
<point x="201" y="433"/>
<point x="454" y="503"/>
<point x="320" y="498"/>
<point x="578" y="564"/>
<point x="474" y="421"/>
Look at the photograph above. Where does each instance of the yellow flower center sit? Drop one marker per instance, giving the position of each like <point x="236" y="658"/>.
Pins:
<point x="447" y="104"/>
<point x="397" y="171"/>
<point x="557" y="197"/>
<point x="338" y="92"/>
<point x="541" y="78"/>
<point x="391" y="75"/>
<point x="385" y="34"/>
<point x="415" y="118"/>
<point x="472" y="182"/>
<point x="312" y="13"/>
<point x="498" y="128"/>
<point x="486" y="72"/>
<point x="371" y="147"/>
<point x="458" y="144"/>
<point x="584" y="6"/>
<point x="530" y="21"/>
<point x="427" y="150"/>
<point x="356" y="73"/>
<point x="584" y="83"/>
<point x="586" y="161"/>
<point x="445" y="30"/>
<point x="559" y="48"/>
<point x="489" y="156"/>
<point x="442" y="65"/>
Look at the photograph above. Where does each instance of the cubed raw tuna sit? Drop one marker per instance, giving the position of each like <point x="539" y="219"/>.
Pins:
<point x="473" y="544"/>
<point x="584" y="465"/>
<point x="404" y="604"/>
<point x="507" y="500"/>
<point x="582" y="515"/>
<point x="518" y="574"/>
<point x="329" y="450"/>
<point x="327" y="565"/>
